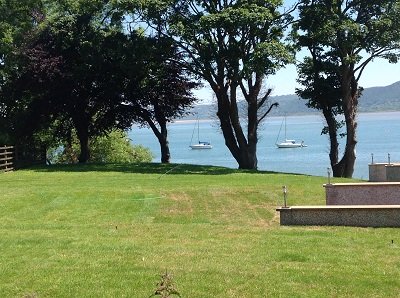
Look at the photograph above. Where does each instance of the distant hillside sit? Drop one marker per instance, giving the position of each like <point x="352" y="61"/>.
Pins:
<point x="381" y="98"/>
<point x="374" y="99"/>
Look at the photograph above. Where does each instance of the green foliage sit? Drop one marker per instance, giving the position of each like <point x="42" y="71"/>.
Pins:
<point x="70" y="73"/>
<point x="4" y="136"/>
<point x="115" y="147"/>
<point x="79" y="68"/>
<point x="336" y="33"/>
<point x="338" y="126"/>
<point x="246" y="35"/>
<point x="17" y="18"/>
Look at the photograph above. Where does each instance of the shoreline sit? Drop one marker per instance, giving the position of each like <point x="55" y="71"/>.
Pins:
<point x="188" y="121"/>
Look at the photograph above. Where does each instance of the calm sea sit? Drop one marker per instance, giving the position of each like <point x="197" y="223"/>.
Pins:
<point x="378" y="134"/>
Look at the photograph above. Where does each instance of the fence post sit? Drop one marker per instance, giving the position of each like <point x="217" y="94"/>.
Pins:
<point x="6" y="158"/>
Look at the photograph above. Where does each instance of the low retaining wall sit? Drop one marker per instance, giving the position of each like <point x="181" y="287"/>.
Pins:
<point x="384" y="172"/>
<point x="369" y="193"/>
<point x="393" y="172"/>
<point x="377" y="172"/>
<point x="355" y="216"/>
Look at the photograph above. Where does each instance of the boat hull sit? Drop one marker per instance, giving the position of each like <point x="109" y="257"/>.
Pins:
<point x="201" y="146"/>
<point x="282" y="145"/>
<point x="290" y="144"/>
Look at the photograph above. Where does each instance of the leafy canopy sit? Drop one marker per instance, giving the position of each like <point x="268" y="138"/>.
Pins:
<point x="244" y="34"/>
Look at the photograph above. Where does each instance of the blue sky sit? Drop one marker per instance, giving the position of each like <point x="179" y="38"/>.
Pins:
<point x="378" y="73"/>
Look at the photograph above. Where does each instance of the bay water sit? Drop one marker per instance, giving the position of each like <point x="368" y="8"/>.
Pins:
<point x="377" y="134"/>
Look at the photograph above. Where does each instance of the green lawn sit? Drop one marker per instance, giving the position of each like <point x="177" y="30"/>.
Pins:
<point x="111" y="231"/>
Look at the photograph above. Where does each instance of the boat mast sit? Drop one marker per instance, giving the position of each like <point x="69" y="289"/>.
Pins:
<point x="198" y="129"/>
<point x="279" y="133"/>
<point x="194" y="129"/>
<point x="285" y="129"/>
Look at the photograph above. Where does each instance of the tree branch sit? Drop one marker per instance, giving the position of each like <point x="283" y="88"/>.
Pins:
<point x="275" y="104"/>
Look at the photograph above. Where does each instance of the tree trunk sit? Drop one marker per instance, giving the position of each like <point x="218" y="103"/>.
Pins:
<point x="161" y="135"/>
<point x="248" y="160"/>
<point x="350" y="93"/>
<point x="243" y="151"/>
<point x="345" y="168"/>
<point x="84" y="146"/>
<point x="164" y="144"/>
<point x="82" y="131"/>
<point x="252" y="138"/>
<point x="333" y="138"/>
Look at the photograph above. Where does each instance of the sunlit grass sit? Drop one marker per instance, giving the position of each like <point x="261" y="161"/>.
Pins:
<point x="111" y="231"/>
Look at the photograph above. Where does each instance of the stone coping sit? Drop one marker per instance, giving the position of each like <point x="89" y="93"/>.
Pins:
<point x="332" y="207"/>
<point x="384" y="163"/>
<point x="362" y="184"/>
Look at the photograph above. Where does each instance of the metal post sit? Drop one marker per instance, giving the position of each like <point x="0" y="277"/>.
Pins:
<point x="388" y="158"/>
<point x="329" y="175"/>
<point x="284" y="189"/>
<point x="372" y="157"/>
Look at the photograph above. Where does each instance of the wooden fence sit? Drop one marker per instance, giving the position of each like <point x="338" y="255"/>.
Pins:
<point x="6" y="158"/>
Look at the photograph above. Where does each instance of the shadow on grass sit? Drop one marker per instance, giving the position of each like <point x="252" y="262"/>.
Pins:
<point x="144" y="168"/>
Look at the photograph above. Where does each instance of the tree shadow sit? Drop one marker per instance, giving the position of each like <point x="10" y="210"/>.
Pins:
<point x="144" y="168"/>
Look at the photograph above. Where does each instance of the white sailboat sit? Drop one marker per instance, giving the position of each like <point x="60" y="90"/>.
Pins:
<point x="199" y="144"/>
<point x="288" y="143"/>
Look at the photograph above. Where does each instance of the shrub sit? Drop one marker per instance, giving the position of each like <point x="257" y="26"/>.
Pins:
<point x="115" y="147"/>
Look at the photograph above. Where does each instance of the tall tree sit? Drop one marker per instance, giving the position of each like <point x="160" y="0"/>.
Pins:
<point x="164" y="92"/>
<point x="234" y="46"/>
<point x="71" y="73"/>
<point x="17" y="18"/>
<point x="165" y="89"/>
<point x="343" y="37"/>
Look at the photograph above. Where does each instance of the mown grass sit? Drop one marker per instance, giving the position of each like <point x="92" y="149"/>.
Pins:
<point x="112" y="230"/>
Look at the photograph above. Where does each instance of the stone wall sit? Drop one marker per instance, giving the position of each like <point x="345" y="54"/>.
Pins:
<point x="372" y="193"/>
<point x="393" y="173"/>
<point x="377" y="172"/>
<point x="355" y="216"/>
